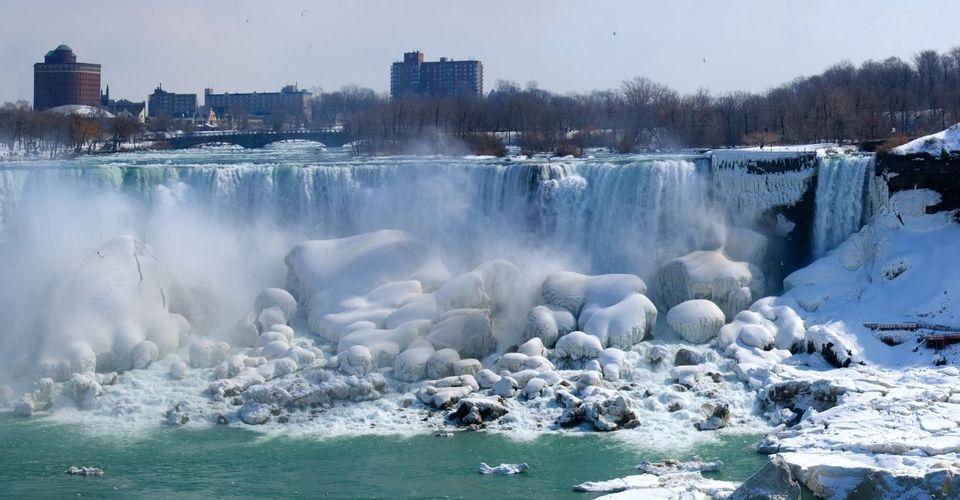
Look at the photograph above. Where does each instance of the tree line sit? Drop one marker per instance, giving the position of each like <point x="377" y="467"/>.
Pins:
<point x="880" y="101"/>
<point x="883" y="101"/>
<point x="53" y="135"/>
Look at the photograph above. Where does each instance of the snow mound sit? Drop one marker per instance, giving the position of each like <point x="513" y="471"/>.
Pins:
<point x="81" y="110"/>
<point x="112" y="313"/>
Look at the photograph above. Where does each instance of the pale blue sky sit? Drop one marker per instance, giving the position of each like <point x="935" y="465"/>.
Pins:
<point x="564" y="45"/>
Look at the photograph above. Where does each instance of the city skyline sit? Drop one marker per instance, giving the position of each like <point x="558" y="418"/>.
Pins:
<point x="245" y="46"/>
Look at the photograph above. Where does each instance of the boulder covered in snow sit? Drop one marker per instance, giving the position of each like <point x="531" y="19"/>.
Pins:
<point x="623" y="323"/>
<point x="572" y="291"/>
<point x="548" y="323"/>
<point x="577" y="346"/>
<point x="710" y="275"/>
<point x="467" y="331"/>
<point x="697" y="321"/>
<point x="322" y="273"/>
<point x="946" y="141"/>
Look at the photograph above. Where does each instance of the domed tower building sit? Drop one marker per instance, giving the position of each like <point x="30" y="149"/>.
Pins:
<point x="60" y="80"/>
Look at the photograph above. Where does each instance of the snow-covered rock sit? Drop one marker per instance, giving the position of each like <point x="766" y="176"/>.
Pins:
<point x="467" y="331"/>
<point x="276" y="297"/>
<point x="578" y="345"/>
<point x="622" y="324"/>
<point x="697" y="320"/>
<point x="206" y="353"/>
<point x="548" y="323"/>
<point x="322" y="273"/>
<point x="178" y="369"/>
<point x="411" y="364"/>
<point x="356" y="360"/>
<point x="476" y="411"/>
<point x="710" y="275"/>
<point x="571" y="291"/>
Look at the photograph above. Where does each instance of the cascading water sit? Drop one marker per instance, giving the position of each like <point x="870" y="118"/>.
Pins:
<point x="611" y="214"/>
<point x="840" y="199"/>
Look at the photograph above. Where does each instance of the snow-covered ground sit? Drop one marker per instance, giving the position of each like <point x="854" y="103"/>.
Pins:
<point x="934" y="144"/>
<point x="860" y="408"/>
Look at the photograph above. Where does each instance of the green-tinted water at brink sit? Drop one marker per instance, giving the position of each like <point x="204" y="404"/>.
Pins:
<point x="225" y="462"/>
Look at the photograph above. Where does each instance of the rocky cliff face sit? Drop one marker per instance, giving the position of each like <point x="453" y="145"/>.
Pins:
<point x="940" y="174"/>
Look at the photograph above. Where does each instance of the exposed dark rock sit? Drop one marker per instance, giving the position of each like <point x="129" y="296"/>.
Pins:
<point x="686" y="357"/>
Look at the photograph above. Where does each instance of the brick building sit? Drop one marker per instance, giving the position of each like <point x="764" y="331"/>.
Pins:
<point x="171" y="105"/>
<point x="60" y="80"/>
<point x="290" y="101"/>
<point x="445" y="77"/>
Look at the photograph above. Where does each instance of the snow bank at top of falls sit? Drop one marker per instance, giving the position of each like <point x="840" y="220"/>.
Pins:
<point x="934" y="144"/>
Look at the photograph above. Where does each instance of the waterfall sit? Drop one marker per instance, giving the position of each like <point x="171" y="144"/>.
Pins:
<point x="841" y="192"/>
<point x="608" y="214"/>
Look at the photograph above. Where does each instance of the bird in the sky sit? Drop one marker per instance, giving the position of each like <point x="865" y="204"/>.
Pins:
<point x="614" y="33"/>
<point x="704" y="60"/>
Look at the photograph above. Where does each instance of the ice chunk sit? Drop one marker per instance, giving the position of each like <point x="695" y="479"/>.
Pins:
<point x="504" y="469"/>
<point x="83" y="471"/>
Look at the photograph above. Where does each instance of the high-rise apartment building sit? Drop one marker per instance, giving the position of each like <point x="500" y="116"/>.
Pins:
<point x="445" y="77"/>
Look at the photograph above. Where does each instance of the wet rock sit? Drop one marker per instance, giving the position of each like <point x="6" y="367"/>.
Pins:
<point x="718" y="419"/>
<point x="773" y="481"/>
<point x="476" y="411"/>
<point x="686" y="357"/>
<point x="253" y="413"/>
<point x="177" y="415"/>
